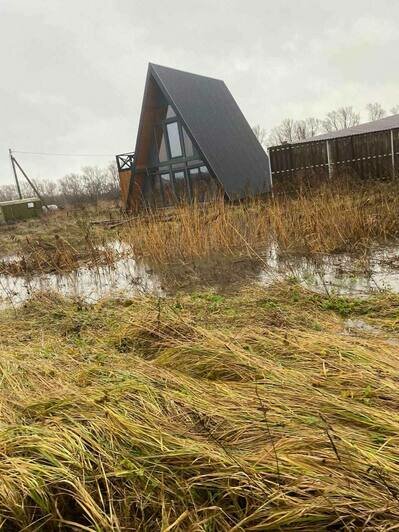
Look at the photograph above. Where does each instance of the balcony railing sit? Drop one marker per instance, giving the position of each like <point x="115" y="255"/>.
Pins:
<point x="125" y="161"/>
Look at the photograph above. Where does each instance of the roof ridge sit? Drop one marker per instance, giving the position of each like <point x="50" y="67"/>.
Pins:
<point x="155" y="66"/>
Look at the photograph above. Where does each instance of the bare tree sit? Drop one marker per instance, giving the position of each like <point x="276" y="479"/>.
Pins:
<point x="375" y="111"/>
<point x="300" y="130"/>
<point x="89" y="186"/>
<point x="72" y="189"/>
<point x="112" y="181"/>
<point x="26" y="189"/>
<point x="261" y="135"/>
<point x="295" y="130"/>
<point x="47" y="189"/>
<point x="290" y="130"/>
<point x="113" y="174"/>
<point x="306" y="129"/>
<point x="285" y="132"/>
<point x="8" y="192"/>
<point x="94" y="181"/>
<point x="341" y="118"/>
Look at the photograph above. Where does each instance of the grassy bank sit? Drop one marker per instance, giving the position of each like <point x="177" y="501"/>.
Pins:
<point x="59" y="242"/>
<point x="72" y="225"/>
<point x="263" y="410"/>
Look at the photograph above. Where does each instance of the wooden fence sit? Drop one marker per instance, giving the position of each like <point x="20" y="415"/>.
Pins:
<point x="368" y="155"/>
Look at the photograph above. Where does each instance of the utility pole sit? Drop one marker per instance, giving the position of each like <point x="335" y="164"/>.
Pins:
<point x="15" y="173"/>
<point x="14" y="161"/>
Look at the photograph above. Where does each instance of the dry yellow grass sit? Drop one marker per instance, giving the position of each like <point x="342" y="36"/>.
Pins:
<point x="331" y="217"/>
<point x="200" y="412"/>
<point x="57" y="256"/>
<point x="58" y="242"/>
<point x="198" y="231"/>
<point x="341" y="215"/>
<point x="71" y="225"/>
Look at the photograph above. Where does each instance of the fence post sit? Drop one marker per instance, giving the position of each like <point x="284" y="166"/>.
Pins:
<point x="329" y="161"/>
<point x="270" y="171"/>
<point x="393" y="154"/>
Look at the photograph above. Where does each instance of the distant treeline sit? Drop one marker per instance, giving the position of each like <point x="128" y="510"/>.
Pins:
<point x="291" y="130"/>
<point x="91" y="185"/>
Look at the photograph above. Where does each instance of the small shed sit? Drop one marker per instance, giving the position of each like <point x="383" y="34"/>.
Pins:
<point x="21" y="209"/>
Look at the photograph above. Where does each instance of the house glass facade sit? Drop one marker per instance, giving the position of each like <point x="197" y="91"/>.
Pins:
<point x="178" y="173"/>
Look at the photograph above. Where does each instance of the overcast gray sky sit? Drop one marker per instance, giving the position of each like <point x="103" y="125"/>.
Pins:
<point x="72" y="72"/>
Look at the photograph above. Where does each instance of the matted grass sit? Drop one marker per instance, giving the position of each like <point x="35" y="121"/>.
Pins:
<point x="200" y="412"/>
<point x="58" y="256"/>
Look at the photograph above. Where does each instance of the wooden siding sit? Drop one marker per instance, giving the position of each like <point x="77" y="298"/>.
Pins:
<point x="368" y="155"/>
<point x="135" y="196"/>
<point x="124" y="182"/>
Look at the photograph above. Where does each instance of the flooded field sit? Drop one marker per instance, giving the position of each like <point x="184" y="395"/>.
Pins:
<point x="343" y="274"/>
<point x="221" y="367"/>
<point x="127" y="277"/>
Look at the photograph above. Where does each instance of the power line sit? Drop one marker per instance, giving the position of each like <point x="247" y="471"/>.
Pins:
<point x="64" y="154"/>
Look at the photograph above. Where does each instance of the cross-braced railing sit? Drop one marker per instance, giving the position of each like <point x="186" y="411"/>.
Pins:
<point x="125" y="161"/>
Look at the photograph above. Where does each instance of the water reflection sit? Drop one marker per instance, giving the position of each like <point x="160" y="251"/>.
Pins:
<point x="342" y="274"/>
<point x="126" y="278"/>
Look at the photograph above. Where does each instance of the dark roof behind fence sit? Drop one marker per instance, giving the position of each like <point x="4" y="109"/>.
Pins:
<point x="218" y="127"/>
<point x="383" y="124"/>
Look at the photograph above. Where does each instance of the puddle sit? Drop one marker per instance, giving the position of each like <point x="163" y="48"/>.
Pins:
<point x="126" y="278"/>
<point x="340" y="274"/>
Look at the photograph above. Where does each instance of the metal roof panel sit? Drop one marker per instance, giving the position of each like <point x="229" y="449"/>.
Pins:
<point x="219" y="128"/>
<point x="383" y="124"/>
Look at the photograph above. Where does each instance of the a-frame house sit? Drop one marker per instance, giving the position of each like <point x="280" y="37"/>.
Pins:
<point x="193" y="144"/>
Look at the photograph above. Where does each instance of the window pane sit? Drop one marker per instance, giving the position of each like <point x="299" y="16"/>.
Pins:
<point x="162" y="153"/>
<point x="203" y="185"/>
<point x="188" y="144"/>
<point x="181" y="186"/>
<point x="170" y="112"/>
<point x="174" y="139"/>
<point x="157" y="194"/>
<point x="167" y="189"/>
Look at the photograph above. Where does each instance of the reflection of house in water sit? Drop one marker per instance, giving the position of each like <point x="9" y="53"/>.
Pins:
<point x="193" y="143"/>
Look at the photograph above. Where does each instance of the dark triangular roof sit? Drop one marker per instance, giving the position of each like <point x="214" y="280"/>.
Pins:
<point x="218" y="128"/>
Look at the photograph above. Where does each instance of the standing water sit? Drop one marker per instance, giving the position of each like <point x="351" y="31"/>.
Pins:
<point x="127" y="277"/>
<point x="343" y="274"/>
